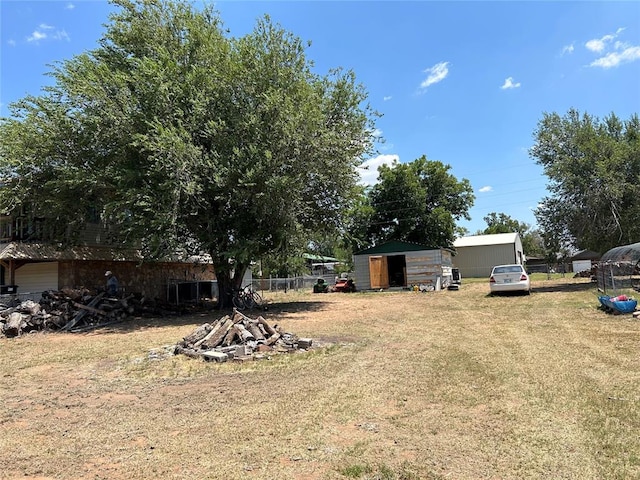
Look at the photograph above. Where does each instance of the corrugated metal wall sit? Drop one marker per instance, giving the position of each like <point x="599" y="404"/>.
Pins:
<point x="361" y="272"/>
<point x="478" y="261"/>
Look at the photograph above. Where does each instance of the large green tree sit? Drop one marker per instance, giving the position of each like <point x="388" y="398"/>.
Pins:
<point x="189" y="140"/>
<point x="419" y="202"/>
<point x="593" y="167"/>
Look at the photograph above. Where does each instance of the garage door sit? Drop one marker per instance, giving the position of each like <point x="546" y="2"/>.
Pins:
<point x="37" y="277"/>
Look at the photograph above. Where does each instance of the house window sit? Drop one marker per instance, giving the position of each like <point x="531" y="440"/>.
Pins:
<point x="21" y="228"/>
<point x="93" y="215"/>
<point x="5" y="229"/>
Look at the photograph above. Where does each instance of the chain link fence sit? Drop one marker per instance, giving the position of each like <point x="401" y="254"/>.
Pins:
<point x="304" y="282"/>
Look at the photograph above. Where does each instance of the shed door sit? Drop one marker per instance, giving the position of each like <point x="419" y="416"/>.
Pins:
<point x="379" y="272"/>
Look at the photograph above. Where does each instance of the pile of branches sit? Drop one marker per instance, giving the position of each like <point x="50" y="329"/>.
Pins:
<point x="72" y="310"/>
<point x="238" y="337"/>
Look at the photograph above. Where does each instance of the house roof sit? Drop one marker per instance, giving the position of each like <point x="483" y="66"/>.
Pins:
<point x="394" y="246"/>
<point x="43" y="252"/>
<point x="622" y="254"/>
<point x="484" y="240"/>
<point x="586" y="255"/>
<point x="319" y="258"/>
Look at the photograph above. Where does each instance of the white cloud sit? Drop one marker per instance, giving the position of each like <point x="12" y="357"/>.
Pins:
<point x="613" y="59"/>
<point x="437" y="73"/>
<point x="61" y="35"/>
<point x="597" y="45"/>
<point x="485" y="189"/>
<point x="369" y="169"/>
<point x="567" y="49"/>
<point x="612" y="52"/>
<point x="41" y="33"/>
<point x="11" y="42"/>
<point x="70" y="6"/>
<point x="508" y="83"/>
<point x="386" y="99"/>
<point x="36" y="36"/>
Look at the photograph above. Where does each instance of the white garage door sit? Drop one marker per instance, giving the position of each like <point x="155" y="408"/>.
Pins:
<point x="37" y="277"/>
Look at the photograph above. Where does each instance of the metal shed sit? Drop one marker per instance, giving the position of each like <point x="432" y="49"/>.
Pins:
<point x="397" y="264"/>
<point x="476" y="255"/>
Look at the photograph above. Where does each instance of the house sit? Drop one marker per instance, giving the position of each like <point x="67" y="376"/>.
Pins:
<point x="537" y="265"/>
<point x="583" y="260"/>
<point x="320" y="264"/>
<point x="397" y="264"/>
<point x="476" y="255"/>
<point x="29" y="264"/>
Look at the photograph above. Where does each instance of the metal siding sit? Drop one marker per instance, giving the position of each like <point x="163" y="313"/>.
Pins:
<point x="520" y="258"/>
<point x="486" y="240"/>
<point x="37" y="277"/>
<point x="478" y="261"/>
<point x="362" y="279"/>
<point x="581" y="265"/>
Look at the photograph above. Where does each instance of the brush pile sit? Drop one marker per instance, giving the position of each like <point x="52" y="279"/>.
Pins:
<point x="239" y="337"/>
<point x="72" y="310"/>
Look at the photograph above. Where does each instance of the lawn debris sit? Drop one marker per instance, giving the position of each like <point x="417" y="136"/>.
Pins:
<point x="240" y="338"/>
<point x="73" y="310"/>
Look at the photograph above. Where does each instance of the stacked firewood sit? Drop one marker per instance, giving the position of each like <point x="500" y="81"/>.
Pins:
<point x="72" y="310"/>
<point x="238" y="337"/>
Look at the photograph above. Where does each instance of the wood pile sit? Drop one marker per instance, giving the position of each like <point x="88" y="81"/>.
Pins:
<point x="72" y="310"/>
<point x="239" y="337"/>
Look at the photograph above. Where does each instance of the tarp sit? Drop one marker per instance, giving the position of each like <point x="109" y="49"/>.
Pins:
<point x="624" y="253"/>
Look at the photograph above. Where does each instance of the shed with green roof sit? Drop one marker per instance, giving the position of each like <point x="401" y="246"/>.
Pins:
<point x="398" y="264"/>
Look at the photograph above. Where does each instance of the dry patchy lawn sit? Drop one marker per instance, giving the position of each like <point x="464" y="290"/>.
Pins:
<point x="403" y="385"/>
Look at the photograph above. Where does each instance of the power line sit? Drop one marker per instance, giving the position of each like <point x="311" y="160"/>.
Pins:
<point x="499" y="169"/>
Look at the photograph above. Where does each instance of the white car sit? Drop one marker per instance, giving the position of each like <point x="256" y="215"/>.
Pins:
<point x="509" y="278"/>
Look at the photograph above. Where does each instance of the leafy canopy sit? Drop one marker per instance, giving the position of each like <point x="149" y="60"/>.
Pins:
<point x="593" y="168"/>
<point x="187" y="139"/>
<point x="419" y="202"/>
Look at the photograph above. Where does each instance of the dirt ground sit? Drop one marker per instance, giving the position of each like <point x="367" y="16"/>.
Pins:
<point x="399" y="385"/>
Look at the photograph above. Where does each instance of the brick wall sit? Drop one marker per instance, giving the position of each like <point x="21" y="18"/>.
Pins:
<point x="150" y="278"/>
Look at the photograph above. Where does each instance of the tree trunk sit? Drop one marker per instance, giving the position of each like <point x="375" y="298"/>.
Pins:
<point x="15" y="324"/>
<point x="225" y="289"/>
<point x="227" y="285"/>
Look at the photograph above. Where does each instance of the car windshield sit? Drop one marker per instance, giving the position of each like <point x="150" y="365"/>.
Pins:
<point x="508" y="269"/>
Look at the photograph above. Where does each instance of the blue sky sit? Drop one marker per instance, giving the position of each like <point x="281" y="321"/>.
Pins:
<point x="464" y="83"/>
